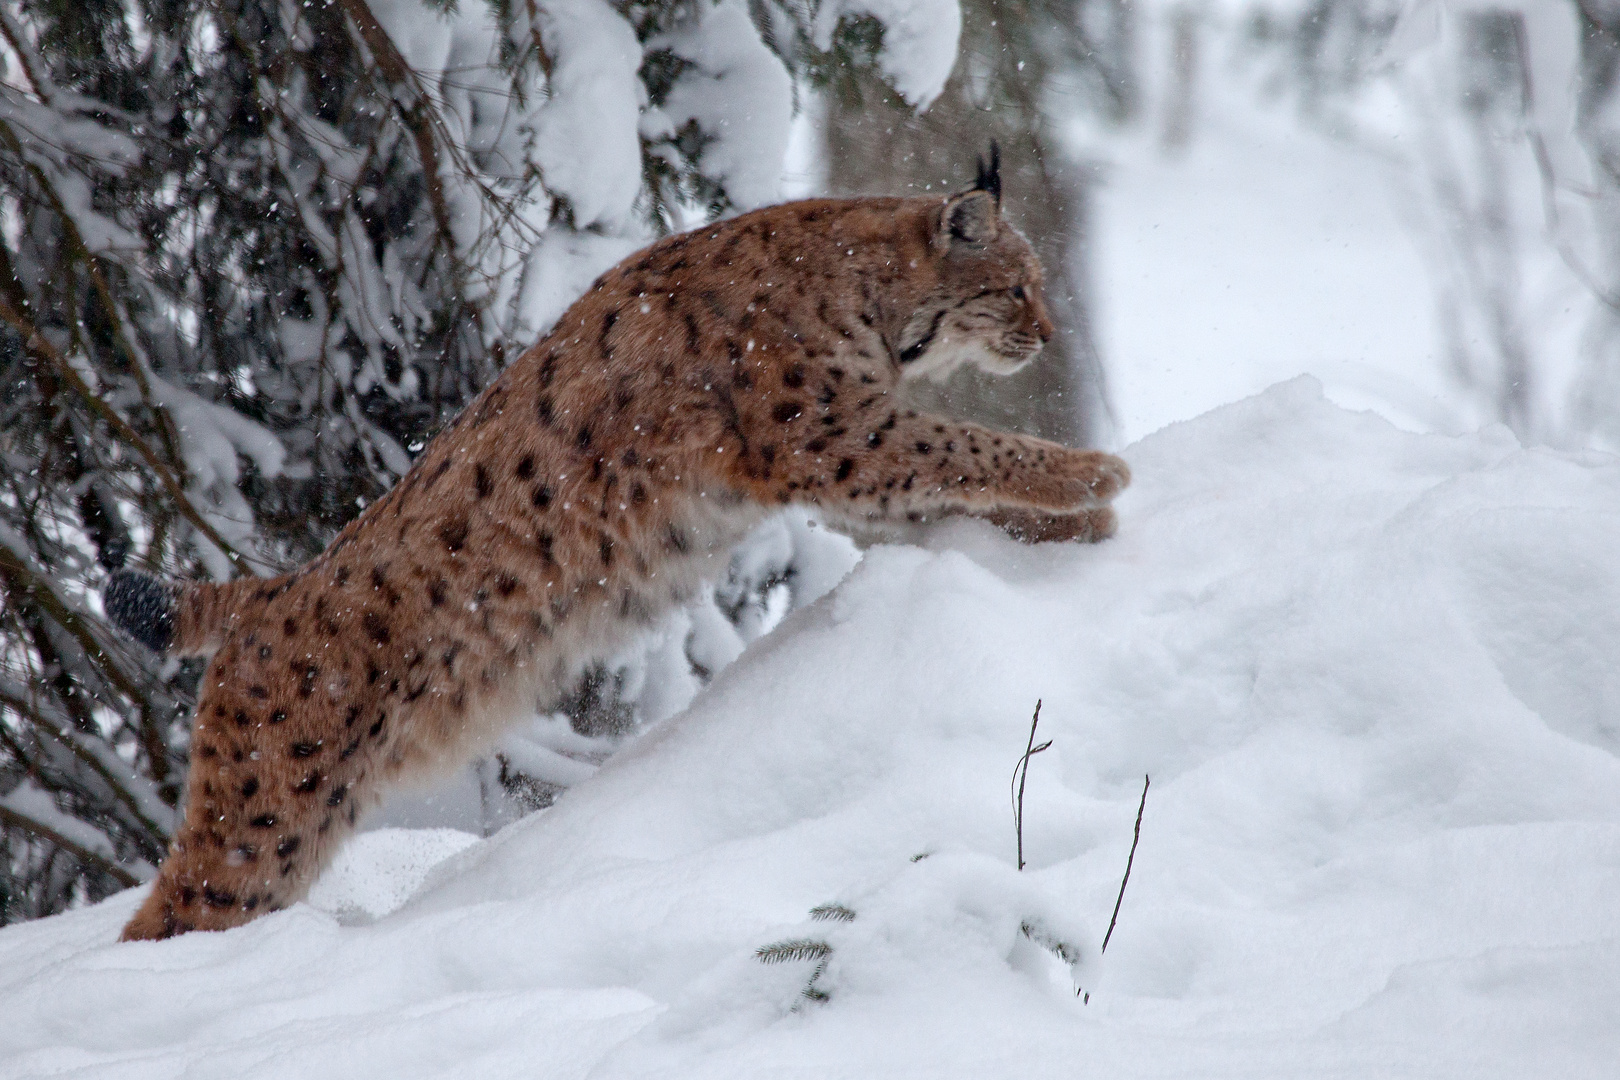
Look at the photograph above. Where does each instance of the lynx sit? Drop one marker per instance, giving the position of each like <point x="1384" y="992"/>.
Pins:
<point x="600" y="480"/>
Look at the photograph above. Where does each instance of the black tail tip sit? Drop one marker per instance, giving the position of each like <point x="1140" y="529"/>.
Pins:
<point x="143" y="605"/>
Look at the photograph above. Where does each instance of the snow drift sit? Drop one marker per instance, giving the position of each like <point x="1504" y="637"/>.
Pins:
<point x="1371" y="673"/>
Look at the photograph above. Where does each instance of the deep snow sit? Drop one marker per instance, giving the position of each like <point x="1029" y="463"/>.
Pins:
<point x="1372" y="674"/>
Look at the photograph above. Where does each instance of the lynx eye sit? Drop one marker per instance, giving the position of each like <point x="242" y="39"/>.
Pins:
<point x="1018" y="292"/>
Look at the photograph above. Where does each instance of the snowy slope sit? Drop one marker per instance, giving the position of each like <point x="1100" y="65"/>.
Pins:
<point x="1371" y="673"/>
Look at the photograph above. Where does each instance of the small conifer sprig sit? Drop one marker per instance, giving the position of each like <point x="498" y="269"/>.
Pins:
<point x="791" y="949"/>
<point x="1069" y="954"/>
<point x="782" y="952"/>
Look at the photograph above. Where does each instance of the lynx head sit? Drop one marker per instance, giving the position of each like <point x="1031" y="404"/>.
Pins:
<point x="985" y="305"/>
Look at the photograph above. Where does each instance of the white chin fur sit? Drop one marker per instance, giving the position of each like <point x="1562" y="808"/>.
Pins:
<point x="940" y="362"/>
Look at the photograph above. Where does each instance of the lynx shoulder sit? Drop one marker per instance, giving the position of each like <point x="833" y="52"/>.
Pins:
<point x="600" y="480"/>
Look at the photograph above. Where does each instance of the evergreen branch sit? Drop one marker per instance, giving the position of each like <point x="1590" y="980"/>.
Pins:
<point x="61" y="734"/>
<point x="13" y="819"/>
<point x="792" y="949"/>
<point x="418" y="113"/>
<point x="832" y="913"/>
<point x="41" y="346"/>
<point x="813" y="992"/>
<point x="81" y="250"/>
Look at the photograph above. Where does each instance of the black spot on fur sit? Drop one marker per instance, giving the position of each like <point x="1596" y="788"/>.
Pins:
<point x="793" y="377"/>
<point x="482" y="484"/>
<point x="303" y="749"/>
<point x="505" y="584"/>
<point x="249" y="786"/>
<point x="787" y="411"/>
<point x="542" y="497"/>
<point x="454" y="534"/>
<point x="264" y="821"/>
<point x="845" y="467"/>
<point x="376" y="627"/>
<point x="525" y="467"/>
<point x="337" y="795"/>
<point x="308" y="784"/>
<point x="290" y="628"/>
<point x="288" y="846"/>
<point x="376" y="729"/>
<point x="438" y="591"/>
<point x="218" y="897"/>
<point x="278" y="716"/>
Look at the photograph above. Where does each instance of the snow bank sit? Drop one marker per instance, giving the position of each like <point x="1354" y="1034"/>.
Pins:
<point x="1371" y="673"/>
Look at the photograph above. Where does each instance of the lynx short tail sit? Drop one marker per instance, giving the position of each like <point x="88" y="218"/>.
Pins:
<point x="185" y="618"/>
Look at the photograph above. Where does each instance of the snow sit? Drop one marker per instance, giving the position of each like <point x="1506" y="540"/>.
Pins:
<point x="1369" y="671"/>
<point x="585" y="135"/>
<point x="919" y="41"/>
<point x="740" y="94"/>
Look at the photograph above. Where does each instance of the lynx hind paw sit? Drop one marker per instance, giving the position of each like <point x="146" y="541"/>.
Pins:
<point x="1032" y="527"/>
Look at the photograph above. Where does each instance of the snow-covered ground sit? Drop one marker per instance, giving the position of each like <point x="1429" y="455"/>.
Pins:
<point x="1371" y="673"/>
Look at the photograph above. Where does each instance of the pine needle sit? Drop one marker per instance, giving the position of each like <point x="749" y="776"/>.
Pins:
<point x="792" y="949"/>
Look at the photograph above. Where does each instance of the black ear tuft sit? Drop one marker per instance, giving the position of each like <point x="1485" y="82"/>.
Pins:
<point x="143" y="605"/>
<point x="990" y="175"/>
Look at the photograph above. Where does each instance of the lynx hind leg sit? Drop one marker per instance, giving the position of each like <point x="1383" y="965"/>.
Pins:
<point x="269" y="800"/>
<point x="1089" y="526"/>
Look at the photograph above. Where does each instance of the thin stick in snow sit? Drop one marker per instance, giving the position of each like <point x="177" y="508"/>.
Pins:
<point x="1020" y="774"/>
<point x="1129" y="859"/>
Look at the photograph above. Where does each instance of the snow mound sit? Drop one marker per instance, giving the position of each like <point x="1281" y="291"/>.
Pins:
<point x="1371" y="674"/>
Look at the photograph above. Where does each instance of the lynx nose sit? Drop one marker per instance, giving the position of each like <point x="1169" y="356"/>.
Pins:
<point x="1043" y="327"/>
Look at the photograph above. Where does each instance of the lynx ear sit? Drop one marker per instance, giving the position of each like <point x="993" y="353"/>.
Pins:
<point x="969" y="218"/>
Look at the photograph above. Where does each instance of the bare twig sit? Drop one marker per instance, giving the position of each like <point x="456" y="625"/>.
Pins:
<point x="1020" y="774"/>
<point x="1135" y="837"/>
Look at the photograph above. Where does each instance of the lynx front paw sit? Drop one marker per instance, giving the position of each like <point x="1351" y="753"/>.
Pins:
<point x="1032" y="527"/>
<point x="1103" y="475"/>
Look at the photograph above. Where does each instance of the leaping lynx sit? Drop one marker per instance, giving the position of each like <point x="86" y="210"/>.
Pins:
<point x="600" y="480"/>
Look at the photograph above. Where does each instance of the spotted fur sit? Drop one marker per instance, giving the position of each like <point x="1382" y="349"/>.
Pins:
<point x="601" y="479"/>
